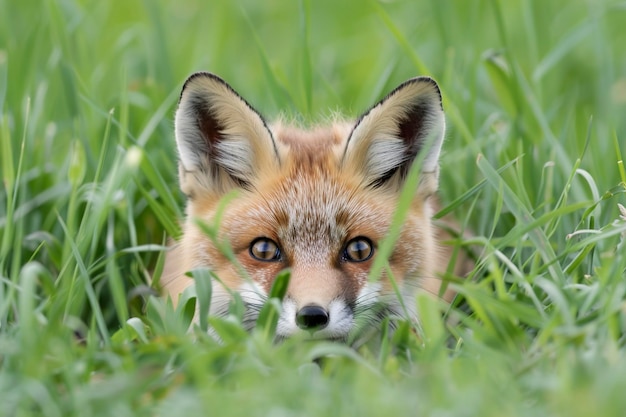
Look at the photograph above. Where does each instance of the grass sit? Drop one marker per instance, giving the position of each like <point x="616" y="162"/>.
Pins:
<point x="535" y="96"/>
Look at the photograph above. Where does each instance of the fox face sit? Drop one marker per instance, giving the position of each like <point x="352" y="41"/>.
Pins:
<point x="318" y="202"/>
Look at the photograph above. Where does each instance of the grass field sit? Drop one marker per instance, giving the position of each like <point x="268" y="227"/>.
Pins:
<point x="535" y="97"/>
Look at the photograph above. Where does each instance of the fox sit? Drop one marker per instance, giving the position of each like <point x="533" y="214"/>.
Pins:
<point x="315" y="201"/>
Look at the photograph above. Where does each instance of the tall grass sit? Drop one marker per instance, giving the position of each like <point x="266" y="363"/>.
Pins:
<point x="535" y="97"/>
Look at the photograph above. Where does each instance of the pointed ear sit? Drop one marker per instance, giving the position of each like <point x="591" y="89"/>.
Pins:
<point x="387" y="139"/>
<point x="222" y="141"/>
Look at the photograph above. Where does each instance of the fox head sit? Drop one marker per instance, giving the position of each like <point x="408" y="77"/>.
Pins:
<point x="318" y="202"/>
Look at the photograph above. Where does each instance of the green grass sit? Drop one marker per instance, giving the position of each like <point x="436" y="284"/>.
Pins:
<point x="535" y="96"/>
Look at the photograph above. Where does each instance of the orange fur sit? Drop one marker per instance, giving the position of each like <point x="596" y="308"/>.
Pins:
<point x="311" y="192"/>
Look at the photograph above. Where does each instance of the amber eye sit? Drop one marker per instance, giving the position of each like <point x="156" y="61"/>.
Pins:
<point x="264" y="249"/>
<point x="358" y="249"/>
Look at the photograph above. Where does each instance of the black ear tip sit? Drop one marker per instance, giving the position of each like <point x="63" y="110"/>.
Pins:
<point x="198" y="77"/>
<point x="426" y="80"/>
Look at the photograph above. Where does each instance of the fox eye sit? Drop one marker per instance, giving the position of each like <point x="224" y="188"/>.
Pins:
<point x="358" y="249"/>
<point x="264" y="249"/>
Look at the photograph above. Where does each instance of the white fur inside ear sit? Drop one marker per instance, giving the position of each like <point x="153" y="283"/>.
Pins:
<point x="236" y="156"/>
<point x="189" y="141"/>
<point x="433" y="141"/>
<point x="383" y="156"/>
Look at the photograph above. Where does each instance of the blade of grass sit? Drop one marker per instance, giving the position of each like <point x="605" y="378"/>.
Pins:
<point x="115" y="280"/>
<point x="567" y="43"/>
<point x="305" y="51"/>
<point x="279" y="93"/>
<point x="524" y="216"/>
<point x="204" y="290"/>
<point x="452" y="111"/>
<point x="620" y="160"/>
<point x="407" y="194"/>
<point x="3" y="80"/>
<point x="84" y="276"/>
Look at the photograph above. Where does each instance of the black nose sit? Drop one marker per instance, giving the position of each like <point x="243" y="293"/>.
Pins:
<point x="312" y="317"/>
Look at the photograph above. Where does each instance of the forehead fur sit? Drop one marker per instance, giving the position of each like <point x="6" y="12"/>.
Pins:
<point x="310" y="205"/>
<point x="311" y="146"/>
<point x="310" y="200"/>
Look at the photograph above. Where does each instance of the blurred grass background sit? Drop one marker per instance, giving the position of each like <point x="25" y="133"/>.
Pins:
<point x="535" y="95"/>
